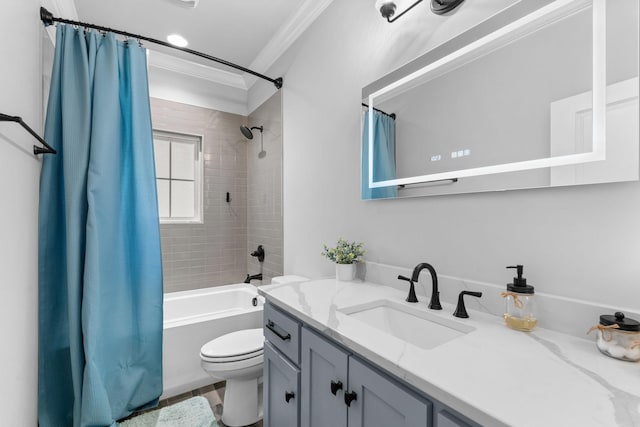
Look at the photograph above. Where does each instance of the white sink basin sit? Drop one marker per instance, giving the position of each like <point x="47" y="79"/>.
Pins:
<point x="411" y="324"/>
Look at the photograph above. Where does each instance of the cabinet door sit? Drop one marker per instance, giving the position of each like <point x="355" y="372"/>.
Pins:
<point x="324" y="380"/>
<point x="380" y="402"/>
<point x="281" y="390"/>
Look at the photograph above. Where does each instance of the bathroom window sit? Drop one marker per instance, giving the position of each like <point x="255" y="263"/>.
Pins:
<point x="179" y="177"/>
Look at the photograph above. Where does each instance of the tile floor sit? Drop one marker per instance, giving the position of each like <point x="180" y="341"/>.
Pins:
<point x="214" y="393"/>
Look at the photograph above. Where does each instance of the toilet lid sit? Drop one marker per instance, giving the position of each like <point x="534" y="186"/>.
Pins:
<point x="247" y="343"/>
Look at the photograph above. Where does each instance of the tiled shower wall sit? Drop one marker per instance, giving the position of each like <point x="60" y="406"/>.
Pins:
<point x="264" y="188"/>
<point x="215" y="252"/>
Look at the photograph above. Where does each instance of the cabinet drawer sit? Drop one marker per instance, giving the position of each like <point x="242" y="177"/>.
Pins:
<point x="283" y="332"/>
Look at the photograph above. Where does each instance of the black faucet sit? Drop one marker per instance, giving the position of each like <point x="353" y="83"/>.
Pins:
<point x="461" y="310"/>
<point x="254" y="277"/>
<point x="434" y="304"/>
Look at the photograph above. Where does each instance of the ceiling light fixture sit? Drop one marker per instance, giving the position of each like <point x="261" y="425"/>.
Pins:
<point x="439" y="7"/>
<point x="177" y="40"/>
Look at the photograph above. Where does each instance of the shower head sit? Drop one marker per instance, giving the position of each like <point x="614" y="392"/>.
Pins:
<point x="247" y="132"/>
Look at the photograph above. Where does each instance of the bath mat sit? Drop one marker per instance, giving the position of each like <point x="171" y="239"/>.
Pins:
<point x="194" y="412"/>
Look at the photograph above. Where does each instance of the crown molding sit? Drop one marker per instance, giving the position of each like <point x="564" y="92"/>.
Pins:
<point x="182" y="66"/>
<point x="288" y="33"/>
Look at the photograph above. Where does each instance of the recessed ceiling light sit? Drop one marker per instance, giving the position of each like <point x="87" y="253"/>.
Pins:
<point x="177" y="40"/>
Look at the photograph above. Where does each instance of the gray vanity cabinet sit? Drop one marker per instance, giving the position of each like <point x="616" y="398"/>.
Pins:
<point x="281" y="388"/>
<point x="339" y="390"/>
<point x="311" y="381"/>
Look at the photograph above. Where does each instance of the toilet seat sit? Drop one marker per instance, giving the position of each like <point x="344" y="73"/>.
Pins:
<point x="243" y="345"/>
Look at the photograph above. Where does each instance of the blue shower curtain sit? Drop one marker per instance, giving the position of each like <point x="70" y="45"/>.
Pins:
<point x="384" y="155"/>
<point x="100" y="270"/>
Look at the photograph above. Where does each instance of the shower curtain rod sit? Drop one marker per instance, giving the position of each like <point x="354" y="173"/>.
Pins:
<point x="48" y="19"/>
<point x="392" y="115"/>
<point x="47" y="149"/>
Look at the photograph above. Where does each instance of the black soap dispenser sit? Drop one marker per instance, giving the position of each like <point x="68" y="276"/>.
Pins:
<point x="519" y="307"/>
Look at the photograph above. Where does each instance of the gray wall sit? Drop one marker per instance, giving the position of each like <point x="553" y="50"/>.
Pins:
<point x="264" y="189"/>
<point x="21" y="95"/>
<point x="578" y="242"/>
<point x="212" y="253"/>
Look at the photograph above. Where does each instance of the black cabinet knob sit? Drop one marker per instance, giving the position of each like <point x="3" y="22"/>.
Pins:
<point x="335" y="386"/>
<point x="288" y="395"/>
<point x="349" y="397"/>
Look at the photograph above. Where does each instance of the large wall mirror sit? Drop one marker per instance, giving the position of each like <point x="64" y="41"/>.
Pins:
<point x="536" y="97"/>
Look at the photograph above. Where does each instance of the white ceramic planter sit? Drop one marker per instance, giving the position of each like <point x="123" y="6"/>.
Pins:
<point x="345" y="272"/>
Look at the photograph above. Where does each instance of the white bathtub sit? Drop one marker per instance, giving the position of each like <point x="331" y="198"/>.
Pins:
<point x="191" y="318"/>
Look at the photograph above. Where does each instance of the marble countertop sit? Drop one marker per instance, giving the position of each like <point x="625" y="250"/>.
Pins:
<point x="493" y="375"/>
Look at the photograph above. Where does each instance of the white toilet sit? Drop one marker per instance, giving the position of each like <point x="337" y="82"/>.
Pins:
<point x="238" y="358"/>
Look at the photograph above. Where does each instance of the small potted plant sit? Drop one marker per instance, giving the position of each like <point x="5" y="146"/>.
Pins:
<point x="345" y="255"/>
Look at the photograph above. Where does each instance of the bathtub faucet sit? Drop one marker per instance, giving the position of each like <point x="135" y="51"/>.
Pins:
<point x="254" y="277"/>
